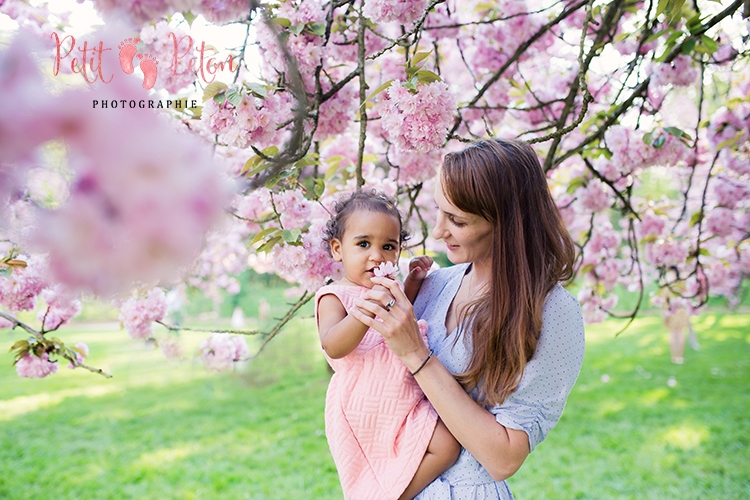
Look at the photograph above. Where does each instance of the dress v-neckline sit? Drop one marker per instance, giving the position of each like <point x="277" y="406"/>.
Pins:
<point x="459" y="279"/>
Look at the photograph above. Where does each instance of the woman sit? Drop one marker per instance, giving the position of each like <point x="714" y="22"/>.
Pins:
<point x="505" y="339"/>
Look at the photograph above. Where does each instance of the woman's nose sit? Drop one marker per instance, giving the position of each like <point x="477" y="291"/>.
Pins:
<point x="439" y="231"/>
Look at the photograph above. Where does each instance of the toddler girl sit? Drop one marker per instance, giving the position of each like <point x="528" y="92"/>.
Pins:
<point x="385" y="437"/>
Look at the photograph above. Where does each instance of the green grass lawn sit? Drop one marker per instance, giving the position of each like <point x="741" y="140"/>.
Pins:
<point x="168" y="430"/>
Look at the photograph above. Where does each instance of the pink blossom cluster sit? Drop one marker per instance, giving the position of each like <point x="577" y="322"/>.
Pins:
<point x="336" y="114"/>
<point x="414" y="167"/>
<point x="252" y="123"/>
<point x="493" y="44"/>
<point x="33" y="18"/>
<point x="729" y="192"/>
<point x="667" y="252"/>
<point x="221" y="350"/>
<point x="728" y="126"/>
<point x="680" y="72"/>
<point x="170" y="347"/>
<point x="19" y="290"/>
<point x="60" y="309"/>
<point x="306" y="48"/>
<point x="174" y="74"/>
<point x="81" y="352"/>
<point x="308" y="264"/>
<point x="143" y="192"/>
<point x="594" y="196"/>
<point x="137" y="314"/>
<point x="417" y="121"/>
<point x="385" y="11"/>
<point x="630" y="152"/>
<point x="652" y="225"/>
<point x="32" y="366"/>
<point x="221" y="11"/>
<point x="595" y="307"/>
<point x="223" y="257"/>
<point x="142" y="11"/>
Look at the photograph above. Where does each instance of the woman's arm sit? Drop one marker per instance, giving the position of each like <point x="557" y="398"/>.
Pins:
<point x="499" y="449"/>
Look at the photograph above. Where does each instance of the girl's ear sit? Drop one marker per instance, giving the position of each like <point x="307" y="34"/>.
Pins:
<point x="336" y="250"/>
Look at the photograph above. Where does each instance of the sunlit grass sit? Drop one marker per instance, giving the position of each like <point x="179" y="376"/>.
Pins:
<point x="636" y="426"/>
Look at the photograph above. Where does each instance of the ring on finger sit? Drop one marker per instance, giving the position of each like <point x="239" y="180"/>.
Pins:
<point x="390" y="304"/>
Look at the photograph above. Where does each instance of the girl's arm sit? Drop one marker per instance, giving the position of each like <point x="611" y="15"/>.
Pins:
<point x="499" y="449"/>
<point x="339" y="332"/>
<point x="418" y="268"/>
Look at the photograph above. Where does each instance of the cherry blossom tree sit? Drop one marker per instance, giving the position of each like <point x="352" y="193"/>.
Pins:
<point x="639" y="111"/>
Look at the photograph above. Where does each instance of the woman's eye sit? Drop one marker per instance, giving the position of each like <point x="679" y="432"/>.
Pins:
<point x="456" y="223"/>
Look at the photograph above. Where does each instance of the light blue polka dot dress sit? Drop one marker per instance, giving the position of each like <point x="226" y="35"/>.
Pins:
<point x="535" y="407"/>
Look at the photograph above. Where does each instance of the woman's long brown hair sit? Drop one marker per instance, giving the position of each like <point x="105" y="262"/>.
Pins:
<point x="502" y="181"/>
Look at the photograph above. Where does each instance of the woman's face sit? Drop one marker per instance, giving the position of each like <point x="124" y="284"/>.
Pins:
<point x="468" y="237"/>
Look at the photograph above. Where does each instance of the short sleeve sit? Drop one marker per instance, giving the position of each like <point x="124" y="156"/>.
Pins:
<point x="538" y="402"/>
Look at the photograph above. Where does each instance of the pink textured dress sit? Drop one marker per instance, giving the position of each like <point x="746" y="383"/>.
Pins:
<point x="378" y="421"/>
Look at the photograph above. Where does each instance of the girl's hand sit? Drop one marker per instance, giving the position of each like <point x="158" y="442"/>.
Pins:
<point x="398" y="326"/>
<point x="420" y="266"/>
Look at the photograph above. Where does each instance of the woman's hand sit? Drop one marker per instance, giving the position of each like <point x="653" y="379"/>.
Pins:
<point x="398" y="326"/>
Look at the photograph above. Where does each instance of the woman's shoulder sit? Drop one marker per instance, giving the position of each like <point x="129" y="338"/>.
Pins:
<point x="561" y="315"/>
<point x="440" y="276"/>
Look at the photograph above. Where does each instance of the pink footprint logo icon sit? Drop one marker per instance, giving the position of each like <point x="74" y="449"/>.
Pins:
<point x="148" y="66"/>
<point x="127" y="51"/>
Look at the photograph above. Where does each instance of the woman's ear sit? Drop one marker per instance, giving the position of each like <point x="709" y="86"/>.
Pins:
<point x="336" y="249"/>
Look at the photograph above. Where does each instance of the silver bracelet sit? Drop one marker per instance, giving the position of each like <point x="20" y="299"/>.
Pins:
<point x="423" y="363"/>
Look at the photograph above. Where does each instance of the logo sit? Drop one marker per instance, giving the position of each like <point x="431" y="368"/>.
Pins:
<point x="87" y="60"/>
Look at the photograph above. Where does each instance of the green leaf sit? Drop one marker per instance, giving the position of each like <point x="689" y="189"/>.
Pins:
<point x="647" y="138"/>
<point x="704" y="251"/>
<point x="419" y="57"/>
<point x="377" y="91"/>
<point x="674" y="131"/>
<point x="268" y="245"/>
<point x="234" y="96"/>
<point x="212" y="89"/>
<point x="317" y="28"/>
<point x="658" y="35"/>
<point x="220" y="98"/>
<point x="307" y="160"/>
<point x="296" y="29"/>
<point x="251" y="163"/>
<point x="709" y="43"/>
<point x="319" y="187"/>
<point x="262" y="235"/>
<point x="659" y="141"/>
<point x="259" y="168"/>
<point x="695" y="218"/>
<point x="575" y="184"/>
<point x="426" y="76"/>
<point x="291" y="235"/>
<point x="257" y="89"/>
<point x="688" y="46"/>
<point x="282" y="21"/>
<point x="189" y="17"/>
<point x="334" y="163"/>
<point x="270" y="151"/>
<point x="587" y="268"/>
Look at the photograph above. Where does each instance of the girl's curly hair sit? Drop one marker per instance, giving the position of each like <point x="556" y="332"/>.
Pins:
<point x="368" y="201"/>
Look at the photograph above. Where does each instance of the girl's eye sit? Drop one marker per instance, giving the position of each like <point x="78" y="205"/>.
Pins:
<point x="389" y="247"/>
<point x="363" y="244"/>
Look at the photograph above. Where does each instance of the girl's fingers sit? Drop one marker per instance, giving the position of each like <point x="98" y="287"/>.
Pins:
<point x="392" y="286"/>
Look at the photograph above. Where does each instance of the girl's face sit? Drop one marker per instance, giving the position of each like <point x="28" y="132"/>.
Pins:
<point x="369" y="239"/>
<point x="468" y="237"/>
